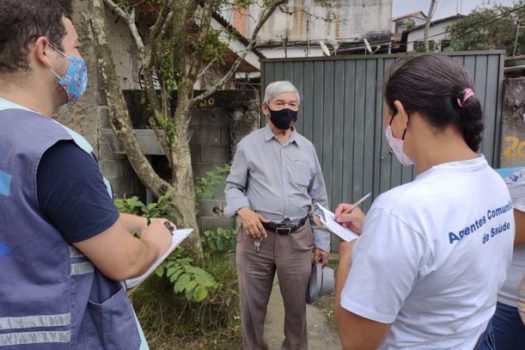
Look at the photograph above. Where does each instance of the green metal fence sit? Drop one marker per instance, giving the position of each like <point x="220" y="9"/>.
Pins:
<point x="342" y="108"/>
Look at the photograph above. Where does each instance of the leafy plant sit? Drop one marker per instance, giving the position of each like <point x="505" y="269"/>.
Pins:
<point x="194" y="282"/>
<point x="409" y="24"/>
<point x="163" y="207"/>
<point x="220" y="240"/>
<point x="206" y="186"/>
<point x="491" y="28"/>
<point x="171" y="321"/>
<point x="131" y="205"/>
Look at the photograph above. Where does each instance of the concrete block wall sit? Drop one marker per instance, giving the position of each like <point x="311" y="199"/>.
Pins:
<point x="211" y="148"/>
<point x="114" y="165"/>
<point x="216" y="131"/>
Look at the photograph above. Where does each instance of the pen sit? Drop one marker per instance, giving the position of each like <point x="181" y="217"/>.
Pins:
<point x="358" y="202"/>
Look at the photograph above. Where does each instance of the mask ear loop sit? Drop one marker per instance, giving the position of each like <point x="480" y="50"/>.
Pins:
<point x="403" y="136"/>
<point x="54" y="47"/>
<point x="53" y="71"/>
<point x="390" y="124"/>
<point x="392" y="118"/>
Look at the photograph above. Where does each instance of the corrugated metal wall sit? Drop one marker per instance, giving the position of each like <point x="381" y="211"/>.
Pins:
<point x="342" y="109"/>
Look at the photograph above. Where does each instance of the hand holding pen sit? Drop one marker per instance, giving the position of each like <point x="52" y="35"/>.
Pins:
<point x="350" y="215"/>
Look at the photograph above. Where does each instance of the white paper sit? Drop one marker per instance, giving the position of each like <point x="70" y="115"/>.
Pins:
<point x="177" y="238"/>
<point x="328" y="219"/>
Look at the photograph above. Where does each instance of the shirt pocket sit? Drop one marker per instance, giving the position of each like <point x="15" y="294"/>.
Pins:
<point x="113" y="325"/>
<point x="301" y="173"/>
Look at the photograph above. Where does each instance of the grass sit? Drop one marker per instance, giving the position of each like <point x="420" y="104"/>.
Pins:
<point x="170" y="321"/>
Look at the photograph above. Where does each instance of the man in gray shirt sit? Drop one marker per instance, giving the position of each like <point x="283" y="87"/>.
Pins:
<point x="274" y="179"/>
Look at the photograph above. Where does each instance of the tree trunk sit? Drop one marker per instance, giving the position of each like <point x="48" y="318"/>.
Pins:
<point x="182" y="171"/>
<point x="119" y="116"/>
<point x="184" y="197"/>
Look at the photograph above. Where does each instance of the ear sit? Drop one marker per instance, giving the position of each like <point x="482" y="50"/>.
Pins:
<point x="265" y="109"/>
<point x="401" y="115"/>
<point x="42" y="51"/>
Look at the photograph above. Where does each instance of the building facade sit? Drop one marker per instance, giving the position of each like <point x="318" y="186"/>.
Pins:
<point x="304" y="28"/>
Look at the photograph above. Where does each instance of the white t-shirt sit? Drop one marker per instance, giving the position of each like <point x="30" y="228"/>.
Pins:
<point x="508" y="293"/>
<point x="432" y="257"/>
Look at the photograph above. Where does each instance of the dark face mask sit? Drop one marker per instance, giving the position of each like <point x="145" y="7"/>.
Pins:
<point x="283" y="118"/>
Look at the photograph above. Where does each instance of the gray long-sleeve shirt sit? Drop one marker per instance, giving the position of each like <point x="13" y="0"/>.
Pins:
<point x="277" y="181"/>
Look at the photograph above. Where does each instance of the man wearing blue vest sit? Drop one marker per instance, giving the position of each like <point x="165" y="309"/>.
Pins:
<point x="63" y="244"/>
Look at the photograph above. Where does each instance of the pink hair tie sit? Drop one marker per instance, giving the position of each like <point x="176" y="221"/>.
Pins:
<point x="468" y="93"/>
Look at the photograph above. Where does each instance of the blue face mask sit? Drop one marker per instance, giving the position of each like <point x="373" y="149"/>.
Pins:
<point x="74" y="82"/>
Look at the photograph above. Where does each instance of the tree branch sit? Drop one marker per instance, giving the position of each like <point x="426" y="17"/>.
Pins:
<point x="119" y="115"/>
<point x="147" y="62"/>
<point x="205" y="24"/>
<point x="268" y="11"/>
<point x="116" y="8"/>
<point x="162" y="18"/>
<point x="208" y="66"/>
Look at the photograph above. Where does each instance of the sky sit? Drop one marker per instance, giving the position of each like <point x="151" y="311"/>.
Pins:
<point x="445" y="8"/>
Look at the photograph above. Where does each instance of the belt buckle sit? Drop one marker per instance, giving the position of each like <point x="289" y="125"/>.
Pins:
<point x="283" y="230"/>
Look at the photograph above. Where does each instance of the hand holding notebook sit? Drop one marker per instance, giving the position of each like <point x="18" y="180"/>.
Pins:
<point x="177" y="237"/>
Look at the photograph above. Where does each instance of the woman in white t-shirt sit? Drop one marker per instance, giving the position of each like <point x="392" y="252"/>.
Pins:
<point x="509" y="330"/>
<point x="433" y="252"/>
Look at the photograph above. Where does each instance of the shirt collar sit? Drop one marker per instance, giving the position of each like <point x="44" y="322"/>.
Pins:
<point x="268" y="135"/>
<point x="6" y="104"/>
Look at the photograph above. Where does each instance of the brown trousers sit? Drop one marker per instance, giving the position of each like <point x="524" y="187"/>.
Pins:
<point x="291" y="256"/>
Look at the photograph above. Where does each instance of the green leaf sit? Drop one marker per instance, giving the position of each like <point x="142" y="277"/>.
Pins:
<point x="181" y="283"/>
<point x="220" y="245"/>
<point x="176" y="275"/>
<point x="200" y="293"/>
<point x="171" y="270"/>
<point x="205" y="281"/>
<point x="159" y="271"/>
<point x="190" y="286"/>
<point x="152" y="206"/>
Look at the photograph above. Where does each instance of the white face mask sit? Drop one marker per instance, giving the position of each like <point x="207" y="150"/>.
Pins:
<point x="397" y="147"/>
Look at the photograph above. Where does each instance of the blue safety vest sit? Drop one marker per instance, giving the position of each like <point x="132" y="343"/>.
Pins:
<point x="51" y="295"/>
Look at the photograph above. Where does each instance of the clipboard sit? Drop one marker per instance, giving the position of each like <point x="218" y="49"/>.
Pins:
<point x="178" y="236"/>
<point x="326" y="220"/>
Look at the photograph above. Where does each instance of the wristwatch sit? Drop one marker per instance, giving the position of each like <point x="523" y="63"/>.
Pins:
<point x="169" y="226"/>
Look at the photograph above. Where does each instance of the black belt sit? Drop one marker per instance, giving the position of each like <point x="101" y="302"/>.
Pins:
<point x="283" y="228"/>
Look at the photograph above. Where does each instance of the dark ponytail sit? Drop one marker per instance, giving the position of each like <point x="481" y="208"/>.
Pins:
<point x="435" y="85"/>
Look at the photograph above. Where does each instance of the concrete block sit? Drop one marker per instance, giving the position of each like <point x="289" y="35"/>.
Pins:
<point x="106" y="150"/>
<point x="195" y="150"/>
<point x="207" y="136"/>
<point x="121" y="188"/>
<point x="210" y="223"/>
<point x="196" y="120"/>
<point x="214" y="117"/>
<point x="147" y="140"/>
<point x="219" y="155"/>
<point x="219" y="193"/>
<point x="112" y="169"/>
<point x="226" y="139"/>
<point x="200" y="168"/>
<point x="103" y="112"/>
<point x="211" y="207"/>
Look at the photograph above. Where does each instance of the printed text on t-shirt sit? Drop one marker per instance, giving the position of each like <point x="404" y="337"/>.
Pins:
<point x="477" y="224"/>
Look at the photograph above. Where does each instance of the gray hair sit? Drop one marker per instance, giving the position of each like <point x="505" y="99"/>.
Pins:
<point x="278" y="87"/>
